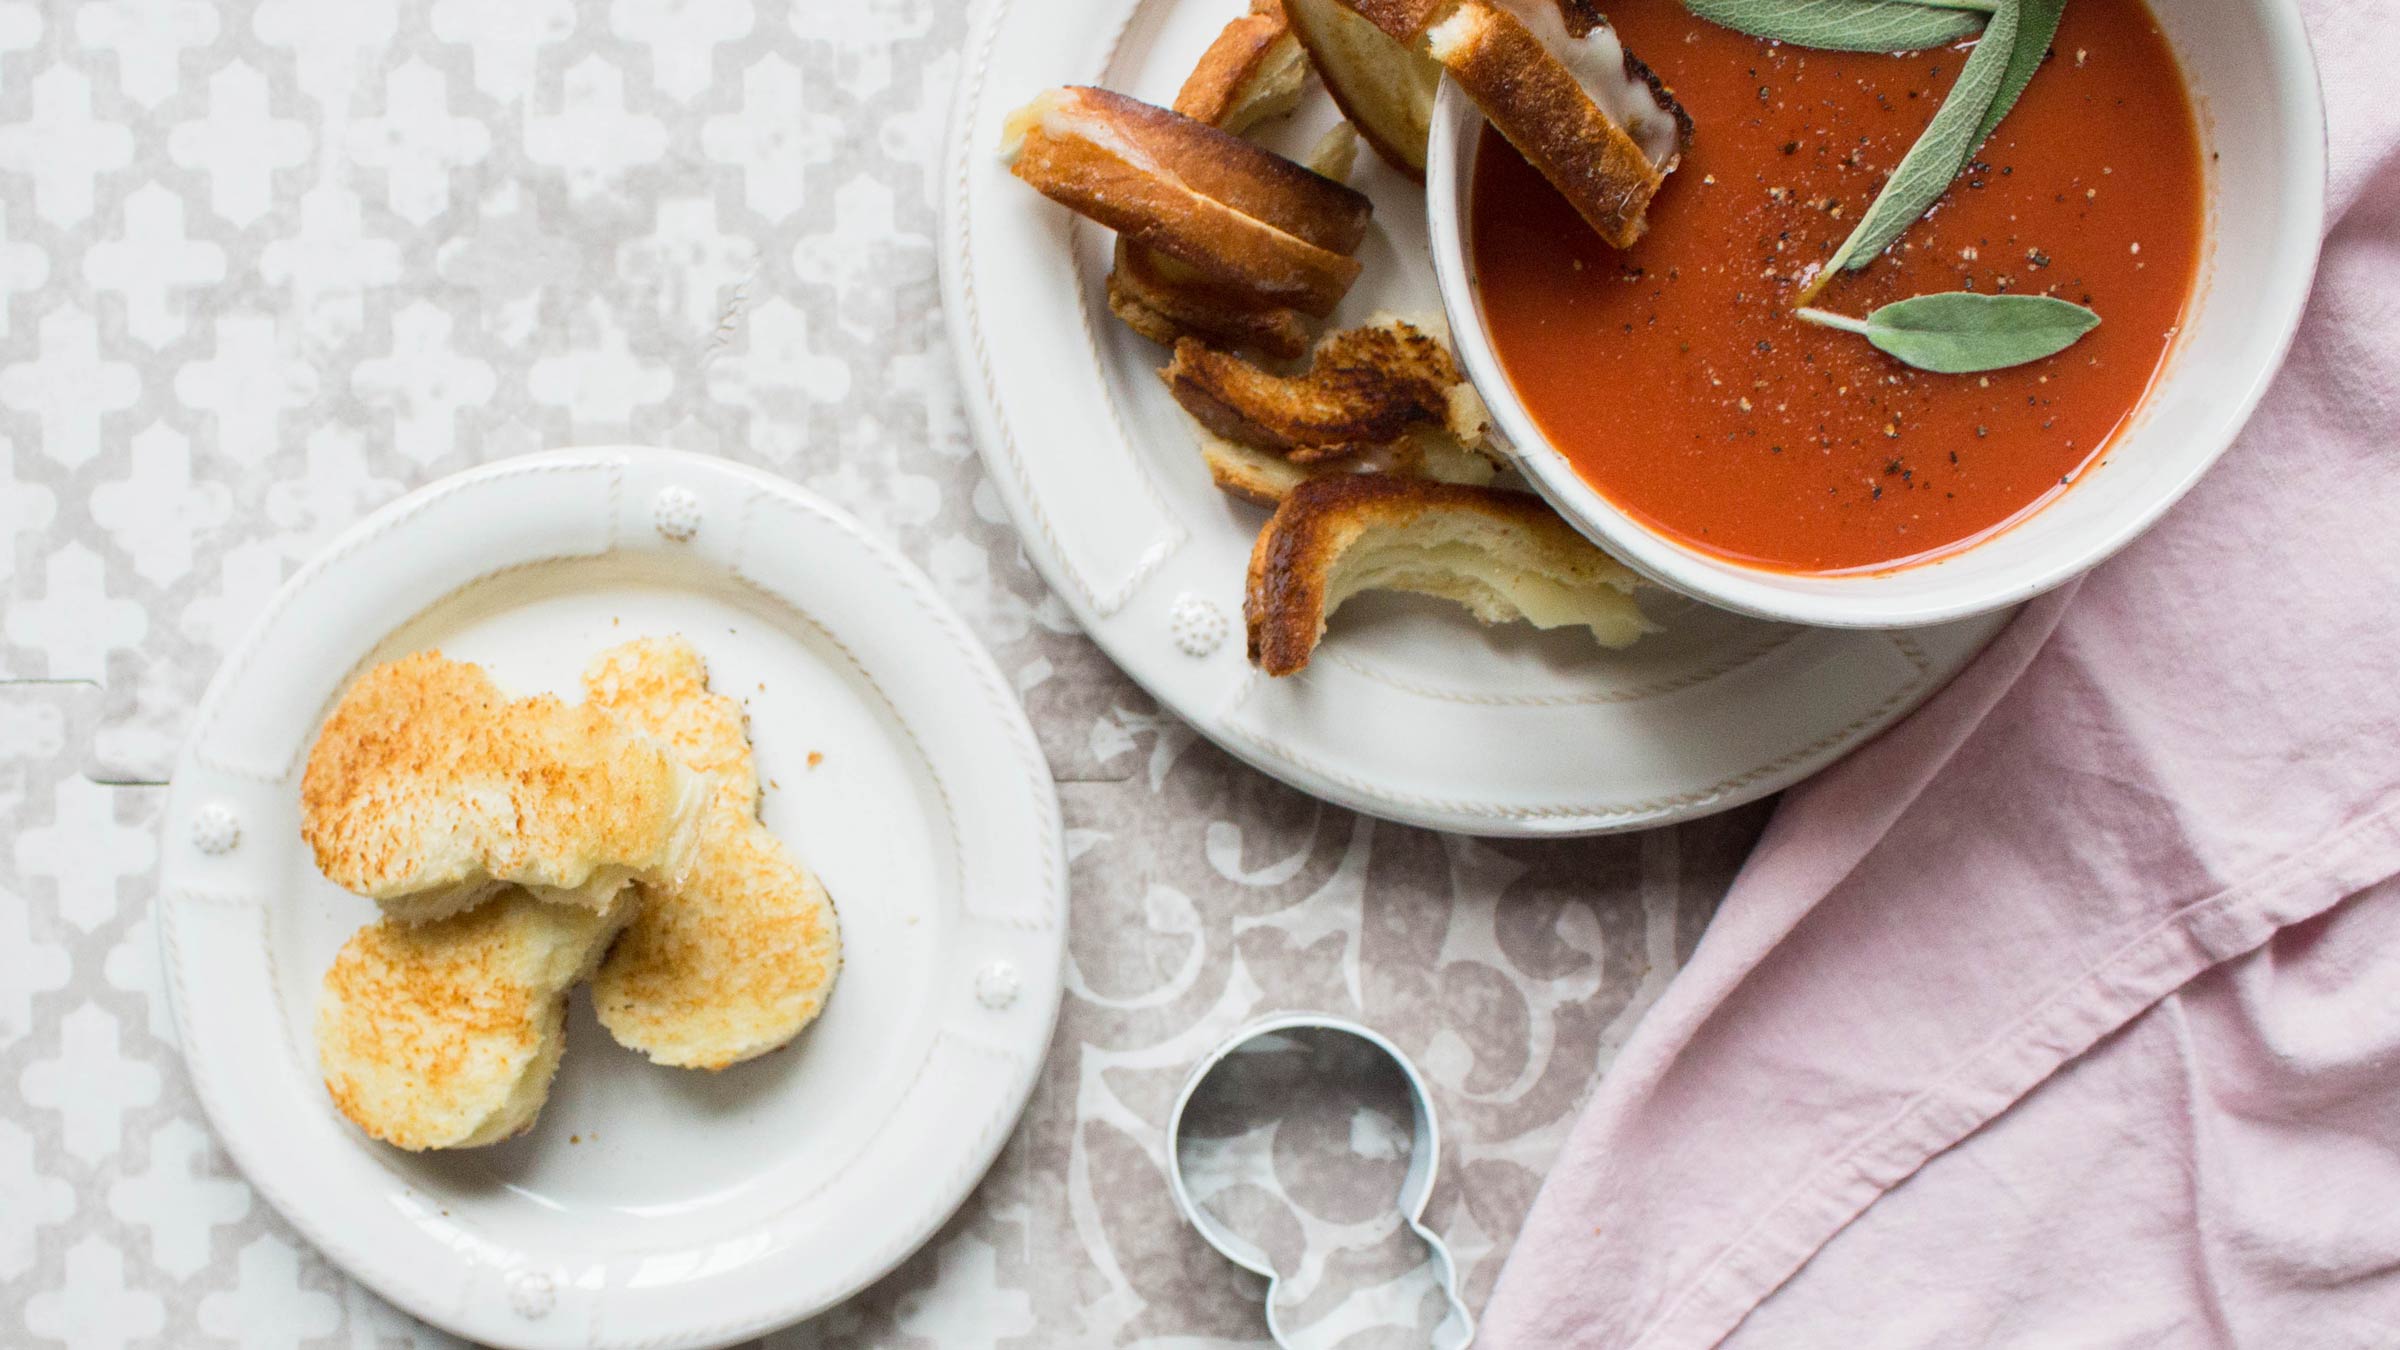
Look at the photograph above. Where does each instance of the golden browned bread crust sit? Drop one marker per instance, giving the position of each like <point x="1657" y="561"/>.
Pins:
<point x="737" y="955"/>
<point x="427" y="785"/>
<point x="1148" y="293"/>
<point x="1404" y="21"/>
<point x="445" y="1034"/>
<point x="1266" y="478"/>
<point x="1504" y="555"/>
<point x="1253" y="71"/>
<point x="1249" y="178"/>
<point x="1535" y="101"/>
<point x="1237" y="214"/>
<point x="1364" y="387"/>
<point x="1368" y="54"/>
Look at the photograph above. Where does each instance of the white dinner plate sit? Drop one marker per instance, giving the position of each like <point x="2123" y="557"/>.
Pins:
<point x="1409" y="710"/>
<point x="649" y="1206"/>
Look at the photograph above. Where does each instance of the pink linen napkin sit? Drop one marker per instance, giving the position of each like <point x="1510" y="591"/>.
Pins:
<point x="2068" y="1012"/>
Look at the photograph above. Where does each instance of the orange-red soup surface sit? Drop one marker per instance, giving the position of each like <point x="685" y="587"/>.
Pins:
<point x="1676" y="380"/>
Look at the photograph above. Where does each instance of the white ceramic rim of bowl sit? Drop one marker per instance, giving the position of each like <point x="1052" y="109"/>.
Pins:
<point x="1900" y="597"/>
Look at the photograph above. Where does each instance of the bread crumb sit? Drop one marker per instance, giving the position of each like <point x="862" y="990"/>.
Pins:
<point x="815" y="758"/>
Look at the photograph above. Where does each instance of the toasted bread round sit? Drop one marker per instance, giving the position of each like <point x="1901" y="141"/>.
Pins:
<point x="427" y="788"/>
<point x="738" y="954"/>
<point x="445" y="1034"/>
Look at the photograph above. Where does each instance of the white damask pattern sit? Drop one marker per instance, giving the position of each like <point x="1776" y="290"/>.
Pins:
<point x="266" y="264"/>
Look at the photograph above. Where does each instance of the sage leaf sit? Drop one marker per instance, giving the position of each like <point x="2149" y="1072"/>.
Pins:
<point x="1848" y="25"/>
<point x="1960" y="332"/>
<point x="1926" y="171"/>
<point x="2037" y="25"/>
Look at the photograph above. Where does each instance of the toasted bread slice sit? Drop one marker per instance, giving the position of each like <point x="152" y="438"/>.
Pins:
<point x="1559" y="85"/>
<point x="428" y="789"/>
<point x="1549" y="74"/>
<point x="1403" y="21"/>
<point x="1166" y="302"/>
<point x="1364" y="388"/>
<point x="1254" y="71"/>
<point x="734" y="957"/>
<point x="445" y="1034"/>
<point x="1264" y="477"/>
<point x="1381" y="79"/>
<point x="1503" y="555"/>
<point x="1241" y="216"/>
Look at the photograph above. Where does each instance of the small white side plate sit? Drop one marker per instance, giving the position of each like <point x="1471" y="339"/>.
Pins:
<point x="649" y="1206"/>
<point x="1409" y="710"/>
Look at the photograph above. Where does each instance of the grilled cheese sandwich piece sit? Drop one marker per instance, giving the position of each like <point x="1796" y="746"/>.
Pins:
<point x="736" y="956"/>
<point x="1238" y="215"/>
<point x="1266" y="478"/>
<point x="1166" y="302"/>
<point x="1555" y="80"/>
<point x="1503" y="555"/>
<point x="1550" y="75"/>
<point x="1252" y="72"/>
<point x="445" y="1034"/>
<point x="1365" y="387"/>
<point x="1384" y="85"/>
<point x="428" y="790"/>
<point x="1386" y="397"/>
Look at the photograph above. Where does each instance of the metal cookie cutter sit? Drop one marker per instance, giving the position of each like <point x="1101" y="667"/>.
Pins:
<point x="1457" y="1327"/>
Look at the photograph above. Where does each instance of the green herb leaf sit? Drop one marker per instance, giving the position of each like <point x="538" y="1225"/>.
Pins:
<point x="1959" y="332"/>
<point x="1926" y="171"/>
<point x="2037" y="24"/>
<point x="1849" y="25"/>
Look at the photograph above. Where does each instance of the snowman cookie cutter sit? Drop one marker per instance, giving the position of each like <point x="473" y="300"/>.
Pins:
<point x="1456" y="1330"/>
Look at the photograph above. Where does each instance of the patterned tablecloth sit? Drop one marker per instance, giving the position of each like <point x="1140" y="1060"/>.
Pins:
<point x="267" y="265"/>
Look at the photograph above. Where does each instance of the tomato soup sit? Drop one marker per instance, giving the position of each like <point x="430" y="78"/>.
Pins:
<point x="1675" y="378"/>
